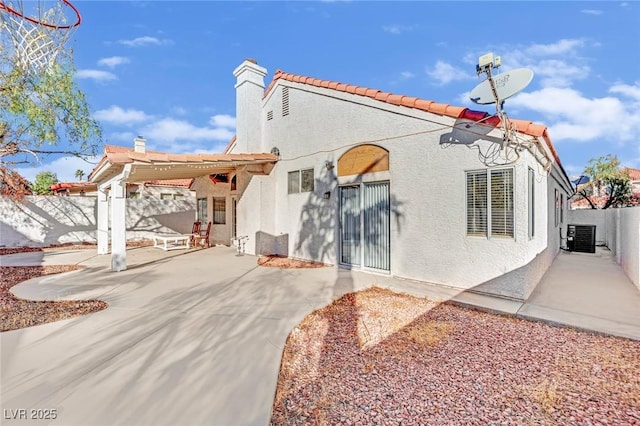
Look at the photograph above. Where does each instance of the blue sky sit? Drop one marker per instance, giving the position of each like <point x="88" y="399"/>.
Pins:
<point x="163" y="69"/>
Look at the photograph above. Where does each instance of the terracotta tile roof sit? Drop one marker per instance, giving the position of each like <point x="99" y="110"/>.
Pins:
<point x="634" y="174"/>
<point x="71" y="185"/>
<point x="523" y="126"/>
<point x="600" y="201"/>
<point x="181" y="183"/>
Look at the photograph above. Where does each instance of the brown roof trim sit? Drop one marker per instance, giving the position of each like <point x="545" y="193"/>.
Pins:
<point x="230" y="144"/>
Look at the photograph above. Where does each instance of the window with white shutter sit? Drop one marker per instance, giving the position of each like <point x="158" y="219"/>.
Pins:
<point x="490" y="209"/>
<point x="477" y="203"/>
<point x="502" y="203"/>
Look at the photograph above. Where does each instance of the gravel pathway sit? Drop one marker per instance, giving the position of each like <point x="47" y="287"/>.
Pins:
<point x="382" y="358"/>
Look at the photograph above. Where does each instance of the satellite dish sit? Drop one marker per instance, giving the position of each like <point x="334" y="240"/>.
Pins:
<point x="507" y="84"/>
<point x="581" y="180"/>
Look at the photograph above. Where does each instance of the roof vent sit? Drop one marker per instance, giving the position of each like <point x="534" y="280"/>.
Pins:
<point x="285" y="101"/>
<point x="269" y="115"/>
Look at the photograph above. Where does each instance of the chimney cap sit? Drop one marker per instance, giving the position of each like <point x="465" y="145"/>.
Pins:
<point x="253" y="61"/>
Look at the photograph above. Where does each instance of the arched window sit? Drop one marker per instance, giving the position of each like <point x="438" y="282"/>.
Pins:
<point x="363" y="159"/>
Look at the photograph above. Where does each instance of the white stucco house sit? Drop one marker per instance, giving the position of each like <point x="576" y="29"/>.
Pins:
<point x="369" y="180"/>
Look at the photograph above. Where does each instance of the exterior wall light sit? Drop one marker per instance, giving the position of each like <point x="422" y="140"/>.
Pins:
<point x="328" y="165"/>
<point x="275" y="151"/>
<point x="327" y="195"/>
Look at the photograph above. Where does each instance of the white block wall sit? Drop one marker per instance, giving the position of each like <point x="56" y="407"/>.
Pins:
<point x="48" y="220"/>
<point x="629" y="246"/>
<point x="591" y="217"/>
<point x="621" y="235"/>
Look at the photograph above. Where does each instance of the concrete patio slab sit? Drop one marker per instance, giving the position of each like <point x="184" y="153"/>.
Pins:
<point x="196" y="338"/>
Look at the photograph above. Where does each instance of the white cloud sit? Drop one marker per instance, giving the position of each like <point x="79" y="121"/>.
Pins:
<point x="574" y="170"/>
<point x="97" y="75"/>
<point x="556" y="64"/>
<point x="591" y="12"/>
<point x="561" y="47"/>
<point x="118" y="115"/>
<point x="169" y="130"/>
<point x="572" y="116"/>
<point x="64" y="168"/>
<point x="557" y="73"/>
<point x="113" y="61"/>
<point x="179" y="110"/>
<point x="406" y="75"/>
<point x="627" y="90"/>
<point x="144" y="41"/>
<point x="223" y="120"/>
<point x="397" y="29"/>
<point x="122" y="136"/>
<point x="444" y="73"/>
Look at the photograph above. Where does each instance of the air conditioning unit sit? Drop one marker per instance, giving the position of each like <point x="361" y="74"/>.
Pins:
<point x="581" y="238"/>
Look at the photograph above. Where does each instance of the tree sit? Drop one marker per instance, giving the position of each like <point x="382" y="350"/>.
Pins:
<point x="43" y="182"/>
<point x="79" y="174"/>
<point x="39" y="109"/>
<point x="608" y="180"/>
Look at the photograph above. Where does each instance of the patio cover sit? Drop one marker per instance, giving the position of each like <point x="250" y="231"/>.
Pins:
<point x="120" y="165"/>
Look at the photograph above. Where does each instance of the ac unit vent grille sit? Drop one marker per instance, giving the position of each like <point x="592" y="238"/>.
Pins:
<point x="581" y="238"/>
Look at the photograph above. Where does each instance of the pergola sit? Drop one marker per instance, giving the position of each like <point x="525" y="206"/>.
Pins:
<point x="121" y="165"/>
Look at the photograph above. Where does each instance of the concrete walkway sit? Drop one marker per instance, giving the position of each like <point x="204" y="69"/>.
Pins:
<point x="196" y="339"/>
<point x="589" y="291"/>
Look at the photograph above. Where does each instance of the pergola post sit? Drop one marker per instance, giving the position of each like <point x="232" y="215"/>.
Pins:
<point x="118" y="226"/>
<point x="103" y="221"/>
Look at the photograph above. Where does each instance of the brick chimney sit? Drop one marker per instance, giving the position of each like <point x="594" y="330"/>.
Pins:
<point x="140" y="144"/>
<point x="249" y="93"/>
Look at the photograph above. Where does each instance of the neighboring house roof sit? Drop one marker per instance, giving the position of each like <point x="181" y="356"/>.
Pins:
<point x="74" y="185"/>
<point x="634" y="174"/>
<point x="523" y="126"/>
<point x="600" y="201"/>
<point x="582" y="203"/>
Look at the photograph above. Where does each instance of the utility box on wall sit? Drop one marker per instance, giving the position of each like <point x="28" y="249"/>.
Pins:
<point x="581" y="238"/>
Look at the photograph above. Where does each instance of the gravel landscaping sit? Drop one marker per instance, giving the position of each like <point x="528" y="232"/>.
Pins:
<point x="382" y="358"/>
<point x="18" y="313"/>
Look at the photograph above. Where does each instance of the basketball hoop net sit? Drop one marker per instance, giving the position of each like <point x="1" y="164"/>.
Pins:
<point x="37" y="40"/>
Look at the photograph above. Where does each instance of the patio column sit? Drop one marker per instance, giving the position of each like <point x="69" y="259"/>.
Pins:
<point x="103" y="222"/>
<point x="118" y="226"/>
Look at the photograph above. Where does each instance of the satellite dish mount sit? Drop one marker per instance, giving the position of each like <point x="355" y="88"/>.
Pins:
<point x="499" y="87"/>
<point x="486" y="64"/>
